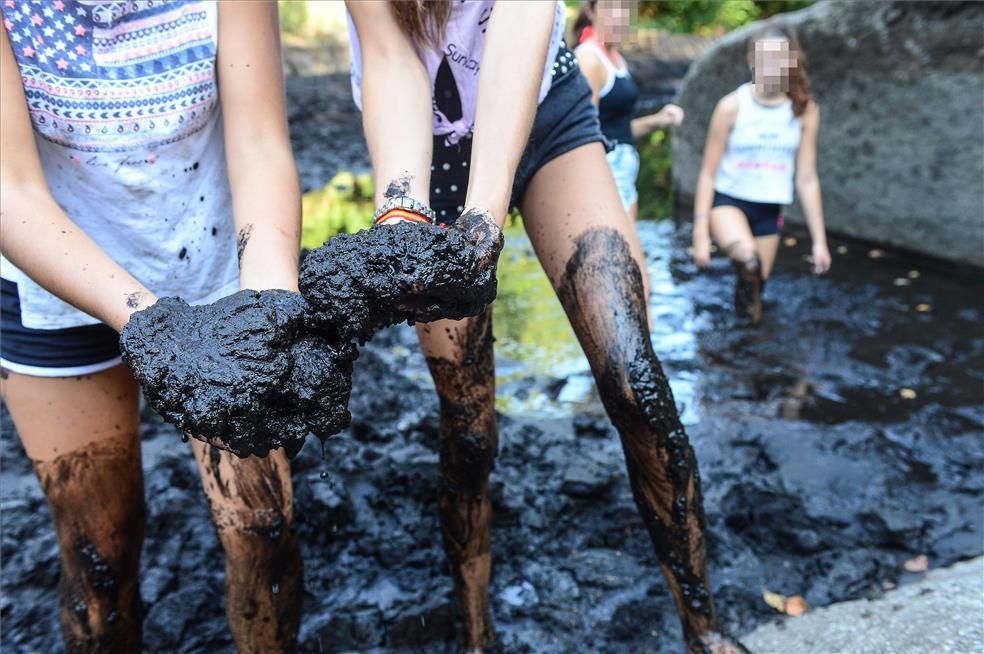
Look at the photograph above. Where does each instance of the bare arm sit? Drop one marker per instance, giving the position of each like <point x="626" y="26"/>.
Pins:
<point x="808" y="187"/>
<point x="670" y="115"/>
<point x="508" y="86"/>
<point x="396" y="104"/>
<point x="35" y="233"/>
<point x="266" y="196"/>
<point x="722" y="120"/>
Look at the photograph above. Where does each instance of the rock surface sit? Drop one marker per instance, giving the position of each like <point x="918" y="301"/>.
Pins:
<point x="901" y="149"/>
<point x="941" y="613"/>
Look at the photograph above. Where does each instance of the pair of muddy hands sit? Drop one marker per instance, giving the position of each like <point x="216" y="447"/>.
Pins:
<point x="259" y="370"/>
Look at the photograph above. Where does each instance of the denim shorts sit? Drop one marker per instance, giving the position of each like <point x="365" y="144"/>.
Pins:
<point x="565" y="120"/>
<point x="67" y="352"/>
<point x="624" y="162"/>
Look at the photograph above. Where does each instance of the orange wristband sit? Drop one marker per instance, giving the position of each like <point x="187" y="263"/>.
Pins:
<point x="403" y="214"/>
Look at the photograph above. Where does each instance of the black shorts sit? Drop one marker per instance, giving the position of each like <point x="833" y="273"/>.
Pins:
<point x="565" y="120"/>
<point x="64" y="352"/>
<point x="764" y="219"/>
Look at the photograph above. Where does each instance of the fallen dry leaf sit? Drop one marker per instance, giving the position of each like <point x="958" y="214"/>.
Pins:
<point x="841" y="249"/>
<point x="917" y="564"/>
<point x="789" y="241"/>
<point x="923" y="308"/>
<point x="902" y="281"/>
<point x="907" y="394"/>
<point x="775" y="600"/>
<point x="876" y="253"/>
<point x="796" y="606"/>
<point x="913" y="274"/>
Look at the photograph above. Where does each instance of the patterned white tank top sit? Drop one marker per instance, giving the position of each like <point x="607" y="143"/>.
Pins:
<point x="124" y="104"/>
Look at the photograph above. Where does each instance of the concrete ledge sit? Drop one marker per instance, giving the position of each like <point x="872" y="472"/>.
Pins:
<point x="942" y="613"/>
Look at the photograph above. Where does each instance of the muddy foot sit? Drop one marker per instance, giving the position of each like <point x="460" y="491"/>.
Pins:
<point x="493" y="647"/>
<point x="715" y="643"/>
<point x="748" y="290"/>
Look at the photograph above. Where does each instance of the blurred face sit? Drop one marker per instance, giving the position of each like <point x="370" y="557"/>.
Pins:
<point x="611" y="20"/>
<point x="772" y="61"/>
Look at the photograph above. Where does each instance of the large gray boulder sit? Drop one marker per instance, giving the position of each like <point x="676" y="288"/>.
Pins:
<point x="901" y="92"/>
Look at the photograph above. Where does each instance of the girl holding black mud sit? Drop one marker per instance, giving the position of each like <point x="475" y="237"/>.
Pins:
<point x="138" y="139"/>
<point x="461" y="122"/>
<point x="759" y="135"/>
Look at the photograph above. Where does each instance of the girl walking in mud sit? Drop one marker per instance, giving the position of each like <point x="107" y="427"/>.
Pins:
<point x="760" y="134"/>
<point x="461" y="122"/>
<point x="129" y="165"/>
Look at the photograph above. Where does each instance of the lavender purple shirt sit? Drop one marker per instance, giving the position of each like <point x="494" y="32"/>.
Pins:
<point x="462" y="46"/>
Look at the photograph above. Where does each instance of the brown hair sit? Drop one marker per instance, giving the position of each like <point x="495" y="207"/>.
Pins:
<point x="422" y="20"/>
<point x="583" y="19"/>
<point x="799" y="81"/>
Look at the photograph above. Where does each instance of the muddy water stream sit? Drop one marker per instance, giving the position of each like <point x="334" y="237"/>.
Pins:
<point x="836" y="440"/>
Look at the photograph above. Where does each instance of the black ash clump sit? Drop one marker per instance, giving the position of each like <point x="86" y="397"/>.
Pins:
<point x="360" y="283"/>
<point x="259" y="370"/>
<point x="243" y="373"/>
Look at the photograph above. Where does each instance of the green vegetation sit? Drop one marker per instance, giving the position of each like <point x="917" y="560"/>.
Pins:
<point x="655" y="182"/>
<point x="344" y="205"/>
<point x="293" y="15"/>
<point x="708" y="17"/>
<point x="304" y="18"/>
<point x="703" y="17"/>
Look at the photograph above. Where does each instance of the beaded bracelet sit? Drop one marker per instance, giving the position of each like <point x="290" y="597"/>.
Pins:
<point x="405" y="203"/>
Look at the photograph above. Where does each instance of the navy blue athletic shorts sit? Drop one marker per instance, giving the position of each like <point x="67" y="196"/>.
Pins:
<point x="65" y="352"/>
<point x="763" y="219"/>
<point x="565" y="120"/>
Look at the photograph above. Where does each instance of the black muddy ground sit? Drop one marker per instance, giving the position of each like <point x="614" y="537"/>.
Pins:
<point x="827" y="501"/>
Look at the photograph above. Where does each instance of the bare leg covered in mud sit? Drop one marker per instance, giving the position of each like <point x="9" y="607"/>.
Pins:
<point x="251" y="501"/>
<point x="459" y="354"/>
<point x="81" y="434"/>
<point x="590" y="252"/>
<point x="751" y="256"/>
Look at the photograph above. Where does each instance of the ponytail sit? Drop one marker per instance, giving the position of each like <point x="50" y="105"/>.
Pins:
<point x="583" y="20"/>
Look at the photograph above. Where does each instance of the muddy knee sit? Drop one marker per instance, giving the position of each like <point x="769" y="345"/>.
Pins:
<point x="466" y="390"/>
<point x="742" y="253"/>
<point x="95" y="495"/>
<point x="467" y="460"/>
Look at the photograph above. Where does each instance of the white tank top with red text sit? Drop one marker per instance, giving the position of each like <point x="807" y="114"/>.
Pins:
<point x="760" y="160"/>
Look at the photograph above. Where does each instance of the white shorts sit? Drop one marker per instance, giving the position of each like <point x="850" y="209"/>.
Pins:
<point x="624" y="162"/>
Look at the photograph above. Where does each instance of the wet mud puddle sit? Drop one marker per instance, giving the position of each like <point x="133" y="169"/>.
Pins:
<point x="836" y="441"/>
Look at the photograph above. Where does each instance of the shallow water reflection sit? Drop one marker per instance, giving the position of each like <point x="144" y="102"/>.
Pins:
<point x="540" y="368"/>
